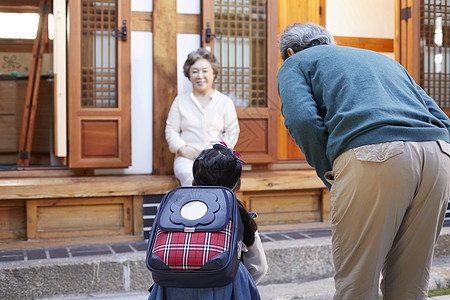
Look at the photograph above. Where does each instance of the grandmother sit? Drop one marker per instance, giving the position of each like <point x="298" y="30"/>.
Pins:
<point x="201" y="118"/>
<point x="381" y="145"/>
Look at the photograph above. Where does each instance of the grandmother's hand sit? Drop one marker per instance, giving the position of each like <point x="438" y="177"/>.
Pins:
<point x="188" y="152"/>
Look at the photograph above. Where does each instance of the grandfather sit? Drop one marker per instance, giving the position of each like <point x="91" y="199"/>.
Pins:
<point x="381" y="145"/>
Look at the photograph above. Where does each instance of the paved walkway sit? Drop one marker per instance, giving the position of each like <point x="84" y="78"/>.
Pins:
<point x="117" y="248"/>
<point x="313" y="290"/>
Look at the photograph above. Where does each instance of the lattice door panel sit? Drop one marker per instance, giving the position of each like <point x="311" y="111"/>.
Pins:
<point x="99" y="54"/>
<point x="241" y="50"/>
<point x="435" y="37"/>
<point x="242" y="30"/>
<point x="99" y="84"/>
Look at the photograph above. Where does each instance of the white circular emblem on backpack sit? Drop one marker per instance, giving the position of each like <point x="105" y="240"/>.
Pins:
<point x="194" y="210"/>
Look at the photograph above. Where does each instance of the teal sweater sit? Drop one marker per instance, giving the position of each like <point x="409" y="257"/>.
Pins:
<point x="336" y="98"/>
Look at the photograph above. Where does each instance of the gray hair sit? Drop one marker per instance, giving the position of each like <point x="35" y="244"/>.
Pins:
<point x="300" y="36"/>
<point x="200" y="53"/>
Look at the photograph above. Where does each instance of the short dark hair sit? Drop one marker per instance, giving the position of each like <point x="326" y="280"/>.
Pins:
<point x="200" y="53"/>
<point x="217" y="166"/>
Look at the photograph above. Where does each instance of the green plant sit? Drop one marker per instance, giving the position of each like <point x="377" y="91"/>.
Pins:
<point x="435" y="292"/>
<point x="439" y="292"/>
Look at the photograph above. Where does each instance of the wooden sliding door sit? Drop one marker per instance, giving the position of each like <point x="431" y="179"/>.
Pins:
<point x="99" y="84"/>
<point x="242" y="34"/>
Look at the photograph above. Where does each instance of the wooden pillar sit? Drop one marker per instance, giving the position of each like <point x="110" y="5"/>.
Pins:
<point x="295" y="11"/>
<point x="326" y="205"/>
<point x="138" y="221"/>
<point x="31" y="207"/>
<point x="164" y="79"/>
<point x="407" y="36"/>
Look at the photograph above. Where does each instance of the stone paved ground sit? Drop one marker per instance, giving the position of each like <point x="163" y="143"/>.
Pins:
<point x="88" y="250"/>
<point x="313" y="290"/>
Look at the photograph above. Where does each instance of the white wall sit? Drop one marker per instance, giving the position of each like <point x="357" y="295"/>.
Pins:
<point x="361" y="18"/>
<point x="141" y="99"/>
<point x="185" y="44"/>
<point x="188" y="6"/>
<point x="141" y="5"/>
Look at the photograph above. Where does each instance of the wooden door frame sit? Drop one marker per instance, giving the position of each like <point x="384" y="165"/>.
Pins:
<point x="119" y="116"/>
<point x="291" y="11"/>
<point x="407" y="36"/>
<point x="253" y="120"/>
<point x="164" y="80"/>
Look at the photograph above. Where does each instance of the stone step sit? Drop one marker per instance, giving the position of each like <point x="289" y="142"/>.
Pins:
<point x="292" y="261"/>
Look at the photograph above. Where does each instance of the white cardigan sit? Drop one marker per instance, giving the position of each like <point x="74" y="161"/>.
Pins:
<point x="188" y="123"/>
<point x="255" y="259"/>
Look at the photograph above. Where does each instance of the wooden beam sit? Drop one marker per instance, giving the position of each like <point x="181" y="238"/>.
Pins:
<point x="138" y="221"/>
<point x="326" y="205"/>
<point x="19" y="45"/>
<point x="186" y="23"/>
<point x="31" y="214"/>
<point x="164" y="80"/>
<point x="280" y="180"/>
<point x="81" y="187"/>
<point x="374" y="44"/>
<point x="141" y="21"/>
<point x="20" y="6"/>
<point x="138" y="185"/>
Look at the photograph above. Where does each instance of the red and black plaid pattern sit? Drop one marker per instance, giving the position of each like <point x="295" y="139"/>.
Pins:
<point x="191" y="250"/>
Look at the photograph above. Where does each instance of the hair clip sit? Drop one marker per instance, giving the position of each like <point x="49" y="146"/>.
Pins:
<point x="221" y="143"/>
<point x="199" y="157"/>
<point x="253" y="214"/>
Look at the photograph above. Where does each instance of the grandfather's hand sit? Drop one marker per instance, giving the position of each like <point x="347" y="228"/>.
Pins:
<point x="188" y="152"/>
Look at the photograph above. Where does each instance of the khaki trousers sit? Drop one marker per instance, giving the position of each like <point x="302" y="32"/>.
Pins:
<point x="388" y="204"/>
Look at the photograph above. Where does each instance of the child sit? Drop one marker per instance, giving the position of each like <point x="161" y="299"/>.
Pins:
<point x="220" y="166"/>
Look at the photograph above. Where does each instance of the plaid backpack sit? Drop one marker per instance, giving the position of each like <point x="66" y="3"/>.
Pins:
<point x="196" y="238"/>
